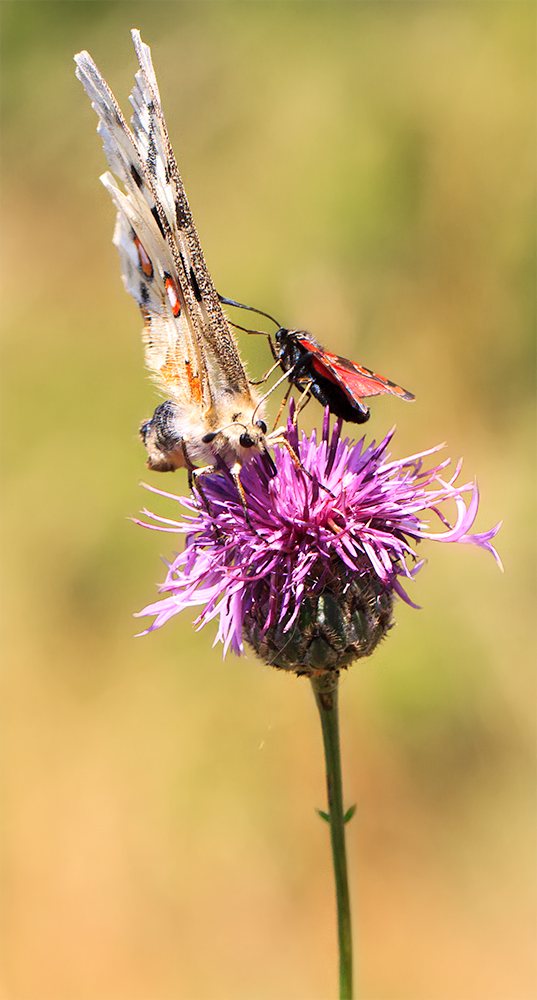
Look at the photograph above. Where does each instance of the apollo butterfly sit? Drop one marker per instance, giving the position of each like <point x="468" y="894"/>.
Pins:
<point x="212" y="411"/>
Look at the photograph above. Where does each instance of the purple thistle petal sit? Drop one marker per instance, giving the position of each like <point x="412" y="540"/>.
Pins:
<point x="299" y="538"/>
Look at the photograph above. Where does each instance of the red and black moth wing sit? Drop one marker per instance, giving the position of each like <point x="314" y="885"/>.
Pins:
<point x="335" y="382"/>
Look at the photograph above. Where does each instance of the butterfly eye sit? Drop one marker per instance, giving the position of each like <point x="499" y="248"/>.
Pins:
<point x="262" y="426"/>
<point x="245" y="441"/>
<point x="144" y="430"/>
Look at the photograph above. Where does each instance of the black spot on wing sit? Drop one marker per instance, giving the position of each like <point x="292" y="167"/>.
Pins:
<point x="195" y="286"/>
<point x="136" y="176"/>
<point x="349" y="366"/>
<point x="154" y="213"/>
<point x="180" y="215"/>
<point x="144" y="293"/>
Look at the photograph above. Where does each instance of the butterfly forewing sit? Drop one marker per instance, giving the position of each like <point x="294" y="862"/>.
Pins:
<point x="180" y="232"/>
<point x="173" y="353"/>
<point x="189" y="348"/>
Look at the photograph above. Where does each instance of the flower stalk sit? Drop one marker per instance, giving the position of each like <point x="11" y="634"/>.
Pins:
<point x="304" y="566"/>
<point x="325" y="689"/>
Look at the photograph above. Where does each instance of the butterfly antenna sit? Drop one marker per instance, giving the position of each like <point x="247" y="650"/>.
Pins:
<point x="272" y="388"/>
<point x="208" y="438"/>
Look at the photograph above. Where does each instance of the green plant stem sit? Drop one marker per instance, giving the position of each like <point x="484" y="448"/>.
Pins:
<point x="326" y="695"/>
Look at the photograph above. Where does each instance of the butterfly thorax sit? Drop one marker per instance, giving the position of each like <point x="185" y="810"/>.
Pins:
<point x="179" y="436"/>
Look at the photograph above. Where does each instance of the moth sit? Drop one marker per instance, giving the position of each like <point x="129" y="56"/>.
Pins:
<point x="334" y="381"/>
<point x="212" y="413"/>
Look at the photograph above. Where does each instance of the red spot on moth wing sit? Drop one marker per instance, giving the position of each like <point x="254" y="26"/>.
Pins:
<point x="373" y="383"/>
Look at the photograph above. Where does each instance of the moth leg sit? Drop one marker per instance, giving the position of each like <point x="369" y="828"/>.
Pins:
<point x="284" y="400"/>
<point x="279" y="437"/>
<point x="302" y="402"/>
<point x="267" y="375"/>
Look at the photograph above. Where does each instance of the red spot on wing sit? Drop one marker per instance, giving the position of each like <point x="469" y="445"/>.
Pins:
<point x="173" y="295"/>
<point x="194" y="383"/>
<point x="172" y="372"/>
<point x="145" y="262"/>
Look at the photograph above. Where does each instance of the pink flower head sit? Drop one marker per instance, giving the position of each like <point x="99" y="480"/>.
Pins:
<point x="344" y="513"/>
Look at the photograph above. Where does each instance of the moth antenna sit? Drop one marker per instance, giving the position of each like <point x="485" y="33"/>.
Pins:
<point x="246" y="329"/>
<point x="240" y="305"/>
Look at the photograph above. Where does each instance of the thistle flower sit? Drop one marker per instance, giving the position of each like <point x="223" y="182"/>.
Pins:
<point x="306" y="569"/>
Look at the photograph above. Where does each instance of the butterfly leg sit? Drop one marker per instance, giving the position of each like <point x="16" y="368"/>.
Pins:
<point x="194" y="482"/>
<point x="240" y="490"/>
<point x="193" y="477"/>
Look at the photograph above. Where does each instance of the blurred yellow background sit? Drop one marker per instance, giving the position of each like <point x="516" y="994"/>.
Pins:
<point x="366" y="171"/>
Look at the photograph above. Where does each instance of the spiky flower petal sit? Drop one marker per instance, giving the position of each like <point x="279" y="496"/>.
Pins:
<point x="308" y="571"/>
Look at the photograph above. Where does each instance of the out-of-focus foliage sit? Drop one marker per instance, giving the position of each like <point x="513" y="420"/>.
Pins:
<point x="365" y="171"/>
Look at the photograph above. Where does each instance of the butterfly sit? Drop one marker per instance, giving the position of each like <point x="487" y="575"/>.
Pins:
<point x="334" y="381"/>
<point x="212" y="412"/>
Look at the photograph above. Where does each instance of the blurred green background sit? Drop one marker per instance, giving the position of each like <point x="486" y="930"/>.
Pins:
<point x="366" y="171"/>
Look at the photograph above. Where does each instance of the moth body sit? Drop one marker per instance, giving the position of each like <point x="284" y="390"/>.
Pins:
<point x="334" y="381"/>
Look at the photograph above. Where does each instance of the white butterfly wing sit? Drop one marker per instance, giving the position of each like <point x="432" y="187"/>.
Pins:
<point x="149" y="126"/>
<point x="188" y="345"/>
